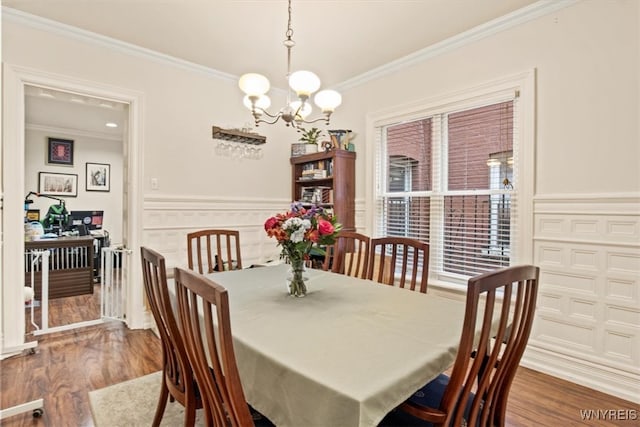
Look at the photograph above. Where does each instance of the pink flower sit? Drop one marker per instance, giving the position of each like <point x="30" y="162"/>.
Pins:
<point x="325" y="227"/>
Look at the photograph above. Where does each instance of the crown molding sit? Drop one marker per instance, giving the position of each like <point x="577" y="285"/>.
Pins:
<point x="54" y="27"/>
<point x="73" y="132"/>
<point x="518" y="17"/>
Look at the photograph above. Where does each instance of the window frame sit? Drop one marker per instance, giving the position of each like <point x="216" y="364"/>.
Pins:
<point x="522" y="84"/>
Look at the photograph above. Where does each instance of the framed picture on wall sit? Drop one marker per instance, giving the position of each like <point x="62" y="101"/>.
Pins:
<point x="98" y="177"/>
<point x="58" y="184"/>
<point x="60" y="151"/>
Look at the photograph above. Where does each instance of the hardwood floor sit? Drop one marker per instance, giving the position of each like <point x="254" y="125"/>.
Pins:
<point x="65" y="311"/>
<point x="67" y="365"/>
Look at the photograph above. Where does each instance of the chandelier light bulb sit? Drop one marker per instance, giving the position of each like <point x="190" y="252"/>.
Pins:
<point x="262" y="103"/>
<point x="254" y="84"/>
<point x="304" y="83"/>
<point x="305" y="111"/>
<point x="327" y="100"/>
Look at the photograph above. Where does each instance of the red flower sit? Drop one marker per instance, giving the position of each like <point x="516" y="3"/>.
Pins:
<point x="325" y="227"/>
<point x="270" y="223"/>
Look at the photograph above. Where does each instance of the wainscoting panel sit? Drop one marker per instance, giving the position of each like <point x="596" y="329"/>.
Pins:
<point x="587" y="327"/>
<point x="168" y="219"/>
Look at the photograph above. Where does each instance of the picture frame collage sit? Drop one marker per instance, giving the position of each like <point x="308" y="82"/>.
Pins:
<point x="60" y="152"/>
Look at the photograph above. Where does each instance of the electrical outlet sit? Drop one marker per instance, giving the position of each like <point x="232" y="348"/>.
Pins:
<point x="154" y="183"/>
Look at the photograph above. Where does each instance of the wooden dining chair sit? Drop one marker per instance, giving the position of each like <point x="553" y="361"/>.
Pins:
<point x="178" y="382"/>
<point x="400" y="261"/>
<point x="214" y="250"/>
<point x="203" y="308"/>
<point x="349" y="255"/>
<point x="476" y="393"/>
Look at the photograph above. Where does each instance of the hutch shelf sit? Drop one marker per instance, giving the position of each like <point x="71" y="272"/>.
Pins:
<point x="326" y="179"/>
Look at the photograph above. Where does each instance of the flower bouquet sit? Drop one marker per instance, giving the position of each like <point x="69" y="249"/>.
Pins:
<point x="298" y="231"/>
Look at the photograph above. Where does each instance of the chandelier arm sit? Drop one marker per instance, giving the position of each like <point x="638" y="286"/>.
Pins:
<point x="275" y="119"/>
<point x="325" y="118"/>
<point x="260" y="111"/>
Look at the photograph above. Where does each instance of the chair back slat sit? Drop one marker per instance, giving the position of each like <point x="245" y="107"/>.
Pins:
<point x="505" y="299"/>
<point x="214" y="250"/>
<point x="178" y="378"/>
<point x="399" y="261"/>
<point x="349" y="254"/>
<point x="210" y="349"/>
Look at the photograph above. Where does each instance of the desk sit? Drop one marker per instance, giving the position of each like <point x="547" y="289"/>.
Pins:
<point x="70" y="266"/>
<point x="344" y="355"/>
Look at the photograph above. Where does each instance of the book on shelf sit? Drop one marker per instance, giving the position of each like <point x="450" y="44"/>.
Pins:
<point x="317" y="195"/>
<point x="313" y="174"/>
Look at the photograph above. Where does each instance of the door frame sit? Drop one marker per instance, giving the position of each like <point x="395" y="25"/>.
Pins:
<point x="15" y="78"/>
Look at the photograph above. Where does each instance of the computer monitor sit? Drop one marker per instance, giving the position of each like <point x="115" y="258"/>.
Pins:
<point x="91" y="220"/>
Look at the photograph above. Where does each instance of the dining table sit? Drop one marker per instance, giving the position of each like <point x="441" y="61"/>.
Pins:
<point x="345" y="355"/>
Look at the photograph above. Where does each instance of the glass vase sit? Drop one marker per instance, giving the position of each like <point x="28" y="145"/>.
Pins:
<point x="297" y="278"/>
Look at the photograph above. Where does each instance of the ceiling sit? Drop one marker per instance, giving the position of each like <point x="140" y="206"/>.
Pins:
<point x="337" y="39"/>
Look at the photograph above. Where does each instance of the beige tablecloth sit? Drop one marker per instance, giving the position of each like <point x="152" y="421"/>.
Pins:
<point x="344" y="355"/>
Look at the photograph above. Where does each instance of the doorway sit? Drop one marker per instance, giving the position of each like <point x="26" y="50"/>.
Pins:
<point x="17" y="82"/>
<point x="77" y="139"/>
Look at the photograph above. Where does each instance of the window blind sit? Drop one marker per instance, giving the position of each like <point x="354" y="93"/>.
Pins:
<point x="449" y="179"/>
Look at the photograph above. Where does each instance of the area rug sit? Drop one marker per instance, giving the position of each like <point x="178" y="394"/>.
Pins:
<point x="133" y="403"/>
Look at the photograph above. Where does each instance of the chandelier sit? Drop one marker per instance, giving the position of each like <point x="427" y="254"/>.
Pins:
<point x="303" y="83"/>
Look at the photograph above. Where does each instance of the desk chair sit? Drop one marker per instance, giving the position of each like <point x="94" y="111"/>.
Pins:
<point x="211" y="350"/>
<point x="349" y="255"/>
<point x="476" y="393"/>
<point x="400" y="259"/>
<point x="214" y="250"/>
<point x="177" y="376"/>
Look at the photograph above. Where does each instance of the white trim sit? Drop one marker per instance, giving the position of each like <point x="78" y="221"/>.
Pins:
<point x="154" y="201"/>
<point x="14" y="351"/>
<point x="15" y="78"/>
<point x="39" y="23"/>
<point x="520" y="84"/>
<point x="73" y="132"/>
<point x="588" y="204"/>
<point x="487" y="29"/>
<point x="616" y="382"/>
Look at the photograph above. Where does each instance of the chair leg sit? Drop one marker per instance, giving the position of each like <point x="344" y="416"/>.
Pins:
<point x="162" y="403"/>
<point x="189" y="410"/>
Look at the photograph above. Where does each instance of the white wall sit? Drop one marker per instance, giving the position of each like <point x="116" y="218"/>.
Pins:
<point x="587" y="175"/>
<point x="86" y="149"/>
<point x="181" y="103"/>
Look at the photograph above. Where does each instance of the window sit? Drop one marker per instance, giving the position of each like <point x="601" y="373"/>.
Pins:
<point x="448" y="177"/>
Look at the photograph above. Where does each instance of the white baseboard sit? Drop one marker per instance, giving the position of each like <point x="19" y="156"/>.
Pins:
<point x="616" y="382"/>
<point x="13" y="351"/>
